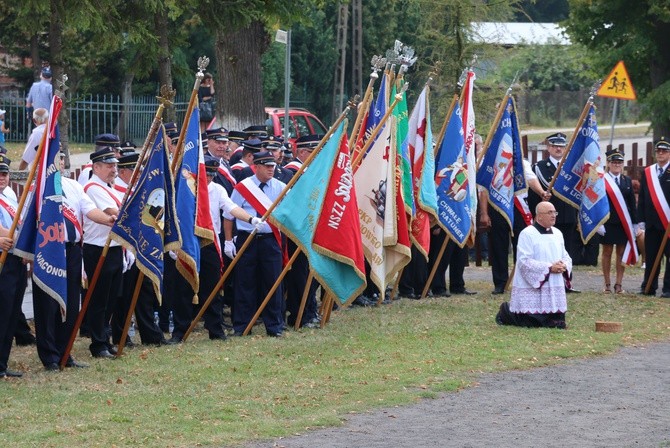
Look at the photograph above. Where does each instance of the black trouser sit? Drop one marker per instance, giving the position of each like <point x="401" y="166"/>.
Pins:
<point x="51" y="332"/>
<point x="499" y="240"/>
<point x="414" y="275"/>
<point x="183" y="308"/>
<point x="652" y="244"/>
<point x="170" y="274"/>
<point x="104" y="295"/>
<point x="12" y="287"/>
<point x="438" y="284"/>
<point x="144" y="308"/>
<point x="294" y="282"/>
<point x="257" y="270"/>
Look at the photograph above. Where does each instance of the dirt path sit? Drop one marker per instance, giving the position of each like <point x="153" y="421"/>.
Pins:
<point x="622" y="401"/>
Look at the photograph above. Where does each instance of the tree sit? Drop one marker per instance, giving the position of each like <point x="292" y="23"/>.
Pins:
<point x="635" y="32"/>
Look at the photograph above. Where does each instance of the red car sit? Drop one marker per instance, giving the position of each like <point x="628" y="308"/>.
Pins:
<point x="302" y="122"/>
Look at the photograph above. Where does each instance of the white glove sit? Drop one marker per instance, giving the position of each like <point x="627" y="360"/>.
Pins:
<point x="229" y="249"/>
<point x="641" y="226"/>
<point x="173" y="255"/>
<point x="601" y="231"/>
<point x="257" y="223"/>
<point x="128" y="260"/>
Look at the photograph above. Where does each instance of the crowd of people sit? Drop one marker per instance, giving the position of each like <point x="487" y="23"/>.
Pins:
<point x="246" y="171"/>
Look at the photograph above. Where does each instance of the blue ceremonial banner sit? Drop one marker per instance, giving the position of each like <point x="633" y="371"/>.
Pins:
<point x="377" y="108"/>
<point x="186" y="186"/>
<point x="451" y="180"/>
<point x="580" y="182"/>
<point x="146" y="224"/>
<point x="501" y="171"/>
<point x="42" y="237"/>
<point x="298" y="214"/>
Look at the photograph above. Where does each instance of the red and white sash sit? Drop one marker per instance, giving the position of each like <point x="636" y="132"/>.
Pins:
<point x="225" y="173"/>
<point x="239" y="166"/>
<point x="522" y="208"/>
<point x="261" y="203"/>
<point x="69" y="214"/>
<point x="109" y="192"/>
<point x="657" y="196"/>
<point x="8" y="207"/>
<point x="293" y="166"/>
<point x="630" y="254"/>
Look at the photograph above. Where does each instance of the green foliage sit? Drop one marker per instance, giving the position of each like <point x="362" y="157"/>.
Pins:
<point x="635" y="32"/>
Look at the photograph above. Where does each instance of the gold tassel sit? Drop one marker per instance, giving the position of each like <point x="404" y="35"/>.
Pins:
<point x="195" y="299"/>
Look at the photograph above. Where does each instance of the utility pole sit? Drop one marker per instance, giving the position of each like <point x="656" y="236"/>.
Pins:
<point x="357" y="47"/>
<point x="338" y="80"/>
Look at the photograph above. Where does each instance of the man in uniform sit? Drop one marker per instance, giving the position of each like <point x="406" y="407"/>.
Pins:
<point x="654" y="213"/>
<point x="250" y="147"/>
<point x="235" y="139"/>
<point x="12" y="277"/>
<point x="51" y="332"/>
<point x="40" y="117"/>
<point x="217" y="148"/>
<point x="210" y="264"/>
<point x="101" y="141"/>
<point x="566" y="221"/>
<point x="107" y="288"/>
<point x="261" y="263"/>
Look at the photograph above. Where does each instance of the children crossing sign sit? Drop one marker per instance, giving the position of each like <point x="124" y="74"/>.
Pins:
<point x="617" y="84"/>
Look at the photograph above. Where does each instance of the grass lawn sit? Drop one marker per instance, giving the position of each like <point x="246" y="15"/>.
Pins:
<point x="205" y="393"/>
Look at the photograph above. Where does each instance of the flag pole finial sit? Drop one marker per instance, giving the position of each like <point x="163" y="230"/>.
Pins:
<point x="61" y="86"/>
<point x="203" y="62"/>
<point x="378" y="64"/>
<point x="352" y="104"/>
<point x="594" y="89"/>
<point x="166" y="97"/>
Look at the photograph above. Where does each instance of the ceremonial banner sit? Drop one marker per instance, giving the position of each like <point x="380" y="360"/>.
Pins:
<point x="420" y="138"/>
<point x="377" y="107"/>
<point x="580" y="182"/>
<point x="384" y="241"/>
<point x="402" y="139"/>
<point x="319" y="214"/>
<point x="501" y="171"/>
<point x="42" y="236"/>
<point x="452" y="180"/>
<point x="192" y="200"/>
<point x="469" y="137"/>
<point x="146" y="224"/>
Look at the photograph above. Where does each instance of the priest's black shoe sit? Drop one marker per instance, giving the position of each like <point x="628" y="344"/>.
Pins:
<point x="499" y="290"/>
<point x="572" y="291"/>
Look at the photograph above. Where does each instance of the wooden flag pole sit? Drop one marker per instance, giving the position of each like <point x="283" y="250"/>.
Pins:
<point x="165" y="98"/>
<point x="436" y="264"/>
<point x="203" y="62"/>
<point x="580" y="122"/>
<point x="24" y="194"/>
<point x="377" y="64"/>
<point x="271" y="292"/>
<point x="657" y="261"/>
<point x="129" y="316"/>
<point x="350" y="105"/>
<point x="303" y="301"/>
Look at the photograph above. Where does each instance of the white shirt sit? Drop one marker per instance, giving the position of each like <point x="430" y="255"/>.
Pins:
<point x="84" y="175"/>
<point x="219" y="202"/>
<point x="77" y="200"/>
<point x="103" y="198"/>
<point x="34" y="140"/>
<point x="8" y="192"/>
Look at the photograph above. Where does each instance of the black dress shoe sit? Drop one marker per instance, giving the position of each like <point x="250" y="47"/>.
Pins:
<point x="104" y="354"/>
<point x="650" y="293"/>
<point x="220" y="337"/>
<point x="665" y="295"/>
<point x="174" y="340"/>
<point x="10" y="374"/>
<point x="499" y="291"/>
<point x="572" y="291"/>
<point x="25" y="341"/>
<point x="76" y="364"/>
<point x="53" y="367"/>
<point x="238" y="334"/>
<point x="277" y="334"/>
<point x="464" y="292"/>
<point x="112" y="350"/>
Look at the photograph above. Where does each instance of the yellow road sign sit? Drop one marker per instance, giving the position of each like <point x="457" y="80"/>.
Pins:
<point x="617" y="84"/>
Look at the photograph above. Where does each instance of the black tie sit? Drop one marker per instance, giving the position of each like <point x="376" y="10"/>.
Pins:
<point x="660" y="171"/>
<point x="616" y="180"/>
<point x="262" y="186"/>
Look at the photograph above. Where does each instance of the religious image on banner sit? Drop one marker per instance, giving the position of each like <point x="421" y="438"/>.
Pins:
<point x="452" y="181"/>
<point x="501" y="170"/>
<point x="580" y="182"/>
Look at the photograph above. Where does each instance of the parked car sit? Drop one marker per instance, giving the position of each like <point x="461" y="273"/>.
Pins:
<point x="302" y="122"/>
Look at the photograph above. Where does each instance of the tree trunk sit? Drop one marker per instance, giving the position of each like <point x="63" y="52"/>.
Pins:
<point x="35" y="55"/>
<point x="239" y="86"/>
<point x="164" y="61"/>
<point x="57" y="70"/>
<point x="126" y="97"/>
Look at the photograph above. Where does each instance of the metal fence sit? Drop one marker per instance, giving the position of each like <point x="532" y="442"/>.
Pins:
<point x="91" y="115"/>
